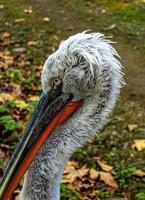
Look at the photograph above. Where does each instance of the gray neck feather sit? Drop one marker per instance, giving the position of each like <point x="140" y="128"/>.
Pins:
<point x="43" y="177"/>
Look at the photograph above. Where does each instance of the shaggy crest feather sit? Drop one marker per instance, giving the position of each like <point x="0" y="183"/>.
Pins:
<point x="93" y="47"/>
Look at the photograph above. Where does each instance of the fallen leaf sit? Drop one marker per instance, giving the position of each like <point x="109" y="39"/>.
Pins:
<point x="16" y="90"/>
<point x="34" y="98"/>
<point x="111" y="190"/>
<point x="4" y="156"/>
<point x="6" y="59"/>
<point x="2" y="6"/>
<point x="5" y="97"/>
<point x="28" y="10"/>
<point x="139" y="173"/>
<point x="93" y="174"/>
<point x="108" y="179"/>
<point x="39" y="67"/>
<point x="6" y="146"/>
<point x="72" y="173"/>
<point x="104" y="166"/>
<point x="33" y="43"/>
<point x="131" y="127"/>
<point x="71" y="164"/>
<point x="5" y="35"/>
<point x="103" y="11"/>
<point x="21" y="104"/>
<point x="112" y="26"/>
<point x="70" y="177"/>
<point x="86" y="185"/>
<point x="96" y="192"/>
<point x="139" y="144"/>
<point x="82" y="172"/>
<point x="19" y="20"/>
<point x="19" y="50"/>
<point x="46" y="19"/>
<point x="70" y="28"/>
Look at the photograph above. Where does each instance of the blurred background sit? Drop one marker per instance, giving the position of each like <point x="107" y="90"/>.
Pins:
<point x="111" y="166"/>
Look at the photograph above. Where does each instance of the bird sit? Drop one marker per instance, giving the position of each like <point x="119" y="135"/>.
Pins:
<point x="87" y="66"/>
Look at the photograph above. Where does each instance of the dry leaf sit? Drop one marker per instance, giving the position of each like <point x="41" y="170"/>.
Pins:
<point x="5" y="97"/>
<point x="5" y="35"/>
<point x="19" y="50"/>
<point x="72" y="173"/>
<point x="21" y="104"/>
<point x="82" y="172"/>
<point x="139" y="173"/>
<point x="86" y="185"/>
<point x="33" y="43"/>
<point x="4" y="157"/>
<point x="108" y="179"/>
<point x="131" y="127"/>
<point x="70" y="178"/>
<point x="34" y="98"/>
<point x="112" y="26"/>
<point x="93" y="174"/>
<point x="2" y="6"/>
<point x="28" y="10"/>
<point x="6" y="59"/>
<point x="139" y="144"/>
<point x="104" y="166"/>
<point x="71" y="164"/>
<point x="46" y="19"/>
<point x="16" y="90"/>
<point x="19" y="20"/>
<point x="70" y="28"/>
<point x="96" y="192"/>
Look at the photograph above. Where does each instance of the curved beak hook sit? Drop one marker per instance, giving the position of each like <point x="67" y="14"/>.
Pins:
<point x="52" y="110"/>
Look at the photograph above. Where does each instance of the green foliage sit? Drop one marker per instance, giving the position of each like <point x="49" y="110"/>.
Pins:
<point x="127" y="18"/>
<point x="104" y="194"/>
<point x="80" y="154"/>
<point x="124" y="173"/>
<point x="28" y="83"/>
<point x="9" y="123"/>
<point x="67" y="194"/>
<point x="1" y="166"/>
<point x="4" y="108"/>
<point x="14" y="74"/>
<point x="140" y="195"/>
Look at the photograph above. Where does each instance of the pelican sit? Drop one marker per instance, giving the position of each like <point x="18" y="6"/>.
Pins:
<point x="80" y="84"/>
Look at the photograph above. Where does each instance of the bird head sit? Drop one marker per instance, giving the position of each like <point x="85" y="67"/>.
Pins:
<point x="78" y="63"/>
<point x="83" y="65"/>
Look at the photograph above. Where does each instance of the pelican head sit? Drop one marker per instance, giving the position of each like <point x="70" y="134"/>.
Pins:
<point x="80" y="83"/>
<point x="78" y="64"/>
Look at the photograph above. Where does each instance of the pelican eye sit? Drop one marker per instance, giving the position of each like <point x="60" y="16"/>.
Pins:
<point x="56" y="82"/>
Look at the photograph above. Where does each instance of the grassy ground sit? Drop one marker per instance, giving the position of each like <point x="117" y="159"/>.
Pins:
<point x="123" y="17"/>
<point x="27" y="37"/>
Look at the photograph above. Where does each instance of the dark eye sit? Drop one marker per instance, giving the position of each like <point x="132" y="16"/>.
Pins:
<point x="56" y="81"/>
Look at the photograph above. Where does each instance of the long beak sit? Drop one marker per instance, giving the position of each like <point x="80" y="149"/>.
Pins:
<point x="52" y="110"/>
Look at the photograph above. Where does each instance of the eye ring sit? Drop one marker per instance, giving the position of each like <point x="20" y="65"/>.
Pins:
<point x="56" y="81"/>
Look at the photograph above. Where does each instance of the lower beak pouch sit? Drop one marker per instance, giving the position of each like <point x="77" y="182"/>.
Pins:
<point x="52" y="110"/>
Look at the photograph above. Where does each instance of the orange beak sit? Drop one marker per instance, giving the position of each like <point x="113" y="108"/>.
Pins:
<point x="52" y="110"/>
